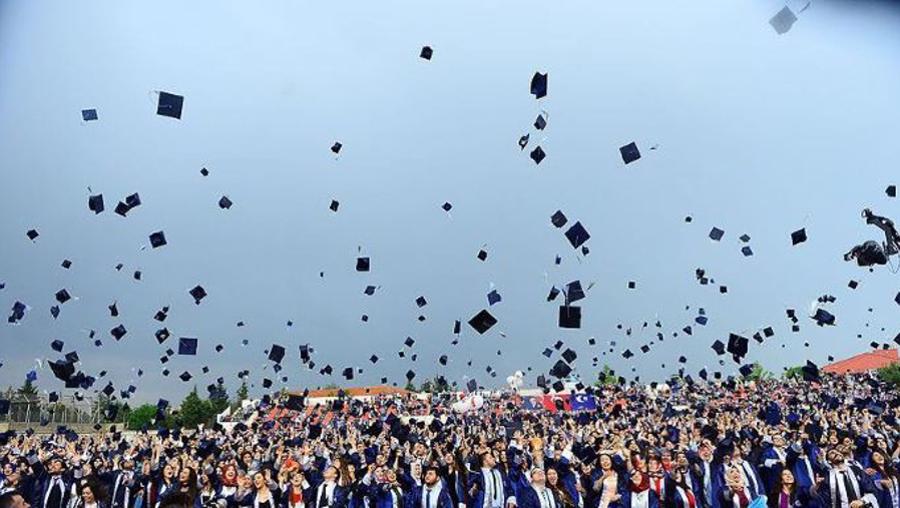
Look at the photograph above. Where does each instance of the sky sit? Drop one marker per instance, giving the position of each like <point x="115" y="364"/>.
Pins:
<point x="754" y="133"/>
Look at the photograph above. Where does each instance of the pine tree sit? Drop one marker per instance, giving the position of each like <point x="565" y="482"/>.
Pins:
<point x="28" y="392"/>
<point x="218" y="399"/>
<point x="194" y="410"/>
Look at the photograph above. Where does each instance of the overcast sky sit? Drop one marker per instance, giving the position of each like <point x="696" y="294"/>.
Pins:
<point x="757" y="133"/>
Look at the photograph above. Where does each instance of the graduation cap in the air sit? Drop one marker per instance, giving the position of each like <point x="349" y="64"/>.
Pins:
<point x="538" y="154"/>
<point x="810" y="371"/>
<point x="783" y="20"/>
<point x="719" y="347"/>
<point x="187" y="346"/>
<point x="225" y="203"/>
<point x="336" y="147"/>
<point x="539" y="85"/>
<point x="426" y="52"/>
<point x="95" y="203"/>
<point x="558" y="219"/>
<point x="421" y="302"/>
<point x="716" y="234"/>
<point x="523" y="141"/>
<point x="57" y="345"/>
<point x="494" y="297"/>
<point x="88" y="115"/>
<point x="482" y="255"/>
<point x="362" y="264"/>
<point x="737" y="345"/>
<point x="574" y="292"/>
<point x="170" y="105"/>
<point x="63" y="296"/>
<point x="65" y="264"/>
<point x="569" y="355"/>
<point x="483" y="321"/>
<point x="822" y="317"/>
<point x="891" y="191"/>
<point x="198" y="293"/>
<point x="630" y="153"/>
<point x="276" y="353"/>
<point x="62" y="369"/>
<point x="798" y="236"/>
<point x="540" y="122"/>
<point x="17" y="313"/>
<point x="577" y="235"/>
<point x="627" y="354"/>
<point x="334" y="205"/>
<point x="185" y="376"/>
<point x="746" y="250"/>
<point x="157" y="239"/>
<point x="118" y="332"/>
<point x="569" y="316"/>
<point x="161" y="335"/>
<point x="32" y="234"/>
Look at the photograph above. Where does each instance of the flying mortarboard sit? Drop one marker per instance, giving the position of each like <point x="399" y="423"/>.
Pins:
<point x="577" y="235"/>
<point x="187" y="346"/>
<point x="198" y="293"/>
<point x="426" y="52"/>
<point x="569" y="316"/>
<point x="170" y="105"/>
<point x="798" y="236"/>
<point x="157" y="239"/>
<point x="95" y="203"/>
<point x="537" y="155"/>
<point x="539" y="85"/>
<point x="88" y="115"/>
<point x="783" y="20"/>
<point x="483" y="321"/>
<point x="630" y="153"/>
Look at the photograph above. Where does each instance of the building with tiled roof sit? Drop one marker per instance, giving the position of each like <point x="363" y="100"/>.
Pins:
<point x="864" y="362"/>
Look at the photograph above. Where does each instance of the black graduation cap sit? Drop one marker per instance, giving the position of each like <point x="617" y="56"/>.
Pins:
<point x="645" y="349"/>
<point x="627" y="354"/>
<point x="185" y="376"/>
<point x="852" y="284"/>
<point x="539" y="85"/>
<point x="537" y="155"/>
<point x="822" y="317"/>
<point x="72" y="356"/>
<point x="482" y="255"/>
<point x="574" y="292"/>
<point x="719" y="347"/>
<point x="362" y="264"/>
<point x="32" y="234"/>
<point x="630" y="153"/>
<point x="348" y="373"/>
<point x="95" y="203"/>
<point x="170" y="105"/>
<point x="447" y="206"/>
<point x="89" y="115"/>
<point x="737" y="345"/>
<point x="157" y="239"/>
<point x="421" y="302"/>
<point x="63" y="296"/>
<point x="187" y="346"/>
<point x="746" y="251"/>
<point x="198" y="293"/>
<point x="276" y="353"/>
<point x="426" y="52"/>
<point x="716" y="234"/>
<point x="410" y="375"/>
<point x="632" y="284"/>
<point x="553" y="294"/>
<point x="161" y="335"/>
<point x="63" y="370"/>
<point x="65" y="264"/>
<point x="577" y="235"/>
<point x="483" y="321"/>
<point x="54" y="311"/>
<point x="558" y="219"/>
<point x="746" y="369"/>
<point x="18" y="312"/>
<point x="118" y="332"/>
<point x="569" y="316"/>
<point x="540" y="122"/>
<point x="472" y="385"/>
<point x="457" y="327"/>
<point x="443" y="360"/>
<point x="334" y="205"/>
<point x="523" y="141"/>
<point x="810" y="371"/>
<point x="336" y="147"/>
<point x="267" y="383"/>
<point x="225" y="203"/>
<point x="891" y="191"/>
<point x="204" y="171"/>
<point x="57" y="345"/>
<point x="798" y="236"/>
<point x="569" y="355"/>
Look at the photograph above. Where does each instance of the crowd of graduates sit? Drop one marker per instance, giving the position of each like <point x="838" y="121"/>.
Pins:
<point x="833" y="443"/>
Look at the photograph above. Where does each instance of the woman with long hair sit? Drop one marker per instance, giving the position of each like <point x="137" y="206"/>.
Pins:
<point x="89" y="495"/>
<point x="886" y="479"/>
<point x="558" y="490"/>
<point x="292" y="495"/>
<point x="786" y="493"/>
<point x="263" y="497"/>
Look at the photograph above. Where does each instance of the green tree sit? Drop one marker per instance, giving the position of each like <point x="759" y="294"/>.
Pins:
<point x="606" y="377"/>
<point x="218" y="399"/>
<point x="242" y="392"/>
<point x="890" y="374"/>
<point x="141" y="416"/>
<point x="793" y="373"/>
<point x="194" y="410"/>
<point x="27" y="392"/>
<point x="758" y="373"/>
<point x="410" y="386"/>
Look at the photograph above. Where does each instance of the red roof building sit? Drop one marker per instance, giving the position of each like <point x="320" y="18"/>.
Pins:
<point x="864" y="362"/>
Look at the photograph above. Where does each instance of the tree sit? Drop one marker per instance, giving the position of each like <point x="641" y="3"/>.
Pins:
<point x="28" y="392"/>
<point x="758" y="373"/>
<point x="793" y="373"/>
<point x="242" y="392"/>
<point x="890" y="374"/>
<point x="607" y="377"/>
<point x="218" y="399"/>
<point x="141" y="416"/>
<point x="410" y="386"/>
<point x="194" y="410"/>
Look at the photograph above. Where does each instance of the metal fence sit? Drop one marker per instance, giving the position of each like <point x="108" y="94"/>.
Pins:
<point x="66" y="411"/>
